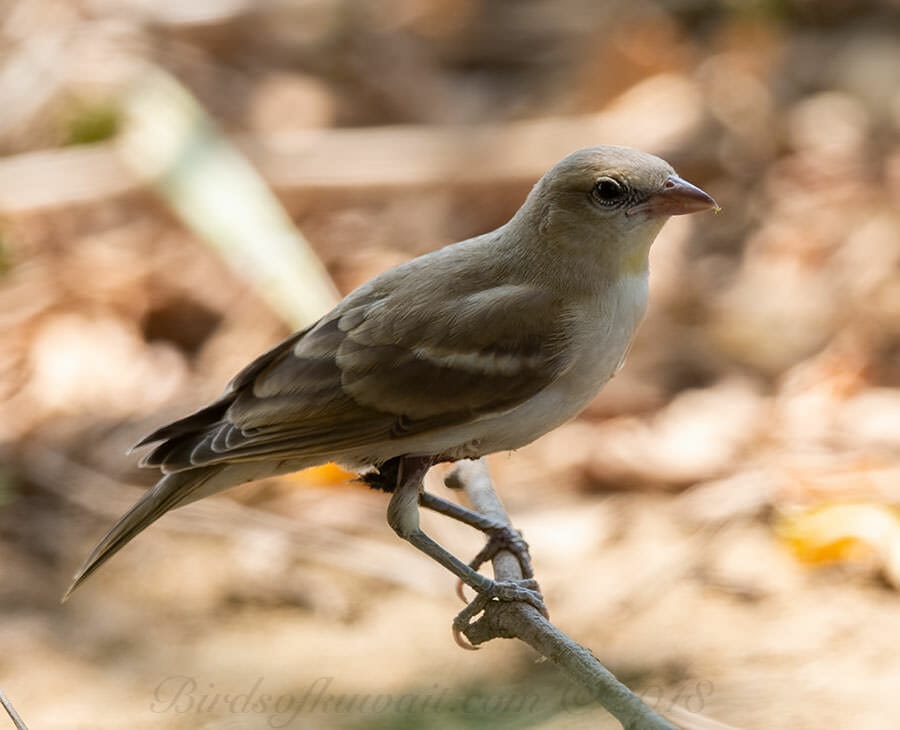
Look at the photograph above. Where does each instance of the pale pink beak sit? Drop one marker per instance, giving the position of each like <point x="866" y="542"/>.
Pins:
<point x="677" y="197"/>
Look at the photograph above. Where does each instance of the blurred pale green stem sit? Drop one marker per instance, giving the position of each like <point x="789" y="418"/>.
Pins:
<point x="170" y="142"/>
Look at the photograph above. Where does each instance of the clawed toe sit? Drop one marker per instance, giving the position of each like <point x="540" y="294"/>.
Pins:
<point x="525" y="590"/>
<point x="500" y="538"/>
<point x="507" y="538"/>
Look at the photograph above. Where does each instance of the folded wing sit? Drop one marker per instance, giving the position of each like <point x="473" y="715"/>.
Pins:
<point x="379" y="368"/>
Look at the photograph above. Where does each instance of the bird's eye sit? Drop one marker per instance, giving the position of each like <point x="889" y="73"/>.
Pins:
<point x="608" y="191"/>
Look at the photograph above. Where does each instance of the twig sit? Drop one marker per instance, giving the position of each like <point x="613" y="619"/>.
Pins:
<point x="524" y="622"/>
<point x="11" y="711"/>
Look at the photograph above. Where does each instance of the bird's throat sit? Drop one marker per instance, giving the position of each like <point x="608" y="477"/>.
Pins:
<point x="637" y="261"/>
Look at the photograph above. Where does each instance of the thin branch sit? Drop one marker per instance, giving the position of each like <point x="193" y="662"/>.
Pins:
<point x="524" y="622"/>
<point x="11" y="711"/>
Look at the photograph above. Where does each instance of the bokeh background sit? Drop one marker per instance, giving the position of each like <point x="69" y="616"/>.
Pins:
<point x="720" y="526"/>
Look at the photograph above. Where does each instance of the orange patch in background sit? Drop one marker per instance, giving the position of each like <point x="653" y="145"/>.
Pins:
<point x="845" y="533"/>
<point x="326" y="475"/>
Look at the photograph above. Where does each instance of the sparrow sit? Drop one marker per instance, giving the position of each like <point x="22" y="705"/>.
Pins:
<point x="478" y="347"/>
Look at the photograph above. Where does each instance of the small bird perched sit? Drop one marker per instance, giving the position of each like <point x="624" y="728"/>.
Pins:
<point x="478" y="347"/>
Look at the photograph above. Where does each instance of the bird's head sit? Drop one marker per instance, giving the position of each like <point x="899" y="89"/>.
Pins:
<point x="608" y="203"/>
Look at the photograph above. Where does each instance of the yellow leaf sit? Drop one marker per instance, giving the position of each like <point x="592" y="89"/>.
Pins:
<point x="841" y="532"/>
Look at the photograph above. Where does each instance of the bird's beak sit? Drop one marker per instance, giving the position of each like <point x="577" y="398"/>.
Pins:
<point x="677" y="197"/>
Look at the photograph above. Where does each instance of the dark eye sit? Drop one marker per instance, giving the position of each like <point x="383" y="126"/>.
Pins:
<point x="608" y="191"/>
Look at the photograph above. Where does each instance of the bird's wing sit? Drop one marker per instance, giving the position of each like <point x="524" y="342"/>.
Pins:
<point x="379" y="367"/>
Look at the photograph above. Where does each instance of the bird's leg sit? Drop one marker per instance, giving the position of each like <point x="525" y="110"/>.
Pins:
<point x="403" y="517"/>
<point x="500" y="535"/>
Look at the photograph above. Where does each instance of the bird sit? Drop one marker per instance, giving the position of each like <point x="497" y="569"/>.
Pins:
<point x="478" y="347"/>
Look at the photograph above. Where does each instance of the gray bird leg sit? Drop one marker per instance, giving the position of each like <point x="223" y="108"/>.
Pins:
<point x="403" y="517"/>
<point x="500" y="536"/>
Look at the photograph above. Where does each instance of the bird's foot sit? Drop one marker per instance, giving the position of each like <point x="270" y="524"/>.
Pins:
<point x="505" y="537"/>
<point x="525" y="590"/>
<point x="501" y="537"/>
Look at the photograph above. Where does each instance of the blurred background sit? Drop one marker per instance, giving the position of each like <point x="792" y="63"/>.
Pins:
<point x="720" y="526"/>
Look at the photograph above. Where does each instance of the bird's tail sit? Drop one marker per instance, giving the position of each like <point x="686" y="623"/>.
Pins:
<point x="173" y="490"/>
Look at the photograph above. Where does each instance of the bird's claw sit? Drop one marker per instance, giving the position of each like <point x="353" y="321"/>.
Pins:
<point x="500" y="538"/>
<point x="506" y="538"/>
<point x="525" y="590"/>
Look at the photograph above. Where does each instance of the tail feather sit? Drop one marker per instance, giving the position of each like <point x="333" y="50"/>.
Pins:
<point x="171" y="491"/>
<point x="196" y="422"/>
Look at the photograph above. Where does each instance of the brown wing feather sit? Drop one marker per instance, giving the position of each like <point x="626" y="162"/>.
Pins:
<point x="202" y="419"/>
<point x="385" y="365"/>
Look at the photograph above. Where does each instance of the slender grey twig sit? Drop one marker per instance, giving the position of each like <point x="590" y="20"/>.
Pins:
<point x="514" y="620"/>
<point x="11" y="711"/>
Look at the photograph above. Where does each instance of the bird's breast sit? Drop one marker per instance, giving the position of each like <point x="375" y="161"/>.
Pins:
<point x="603" y="330"/>
<point x="604" y="333"/>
